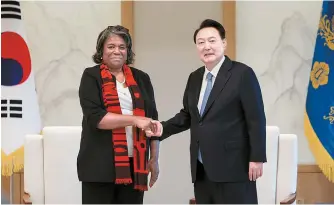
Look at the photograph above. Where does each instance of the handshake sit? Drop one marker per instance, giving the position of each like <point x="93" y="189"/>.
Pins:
<point x="151" y="127"/>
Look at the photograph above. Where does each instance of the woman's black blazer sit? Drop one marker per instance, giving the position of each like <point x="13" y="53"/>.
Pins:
<point x="95" y="162"/>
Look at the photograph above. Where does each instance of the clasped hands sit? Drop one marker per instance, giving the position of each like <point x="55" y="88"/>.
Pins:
<point x="151" y="127"/>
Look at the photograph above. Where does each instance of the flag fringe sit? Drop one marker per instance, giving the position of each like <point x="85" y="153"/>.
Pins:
<point x="323" y="159"/>
<point x="13" y="162"/>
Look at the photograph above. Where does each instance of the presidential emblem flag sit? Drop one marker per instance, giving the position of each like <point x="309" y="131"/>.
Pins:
<point x="19" y="104"/>
<point x="319" y="115"/>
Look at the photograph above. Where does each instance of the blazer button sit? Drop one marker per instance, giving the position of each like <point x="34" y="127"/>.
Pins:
<point x="200" y="123"/>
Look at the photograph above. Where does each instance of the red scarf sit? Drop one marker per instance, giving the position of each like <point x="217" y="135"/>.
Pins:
<point x="111" y="102"/>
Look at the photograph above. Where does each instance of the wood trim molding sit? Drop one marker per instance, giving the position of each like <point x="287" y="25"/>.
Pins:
<point x="229" y="23"/>
<point x="127" y="16"/>
<point x="308" y="168"/>
<point x="312" y="185"/>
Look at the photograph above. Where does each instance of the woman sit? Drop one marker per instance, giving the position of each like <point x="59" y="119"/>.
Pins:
<point x="118" y="105"/>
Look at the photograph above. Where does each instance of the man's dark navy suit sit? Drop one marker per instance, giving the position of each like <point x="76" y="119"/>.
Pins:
<point x="230" y="133"/>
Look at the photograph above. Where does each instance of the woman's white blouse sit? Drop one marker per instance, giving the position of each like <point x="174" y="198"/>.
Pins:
<point x="125" y="100"/>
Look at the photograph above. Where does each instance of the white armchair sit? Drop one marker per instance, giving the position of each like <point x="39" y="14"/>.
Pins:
<point x="50" y="174"/>
<point x="279" y="181"/>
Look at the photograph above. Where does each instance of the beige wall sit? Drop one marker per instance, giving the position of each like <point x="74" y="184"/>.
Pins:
<point x="277" y="39"/>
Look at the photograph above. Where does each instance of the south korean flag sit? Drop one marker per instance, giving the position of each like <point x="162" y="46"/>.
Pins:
<point x="19" y="104"/>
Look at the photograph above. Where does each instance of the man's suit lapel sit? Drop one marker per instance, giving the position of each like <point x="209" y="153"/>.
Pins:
<point x="223" y="76"/>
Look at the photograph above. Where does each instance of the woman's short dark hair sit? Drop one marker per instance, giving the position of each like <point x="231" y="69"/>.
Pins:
<point x="211" y="23"/>
<point x="103" y="36"/>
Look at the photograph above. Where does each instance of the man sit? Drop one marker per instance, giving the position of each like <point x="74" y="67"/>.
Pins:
<point x="223" y="108"/>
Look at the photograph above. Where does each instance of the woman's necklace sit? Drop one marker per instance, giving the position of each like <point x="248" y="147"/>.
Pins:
<point x="122" y="82"/>
<point x="113" y="73"/>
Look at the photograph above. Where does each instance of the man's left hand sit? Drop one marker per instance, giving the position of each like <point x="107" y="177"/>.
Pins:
<point x="255" y="170"/>
<point x="153" y="167"/>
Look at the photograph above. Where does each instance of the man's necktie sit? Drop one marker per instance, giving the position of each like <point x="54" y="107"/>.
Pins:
<point x="205" y="100"/>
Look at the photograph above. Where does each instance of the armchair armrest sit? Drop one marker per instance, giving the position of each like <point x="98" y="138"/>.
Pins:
<point x="26" y="198"/>
<point x="289" y="199"/>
